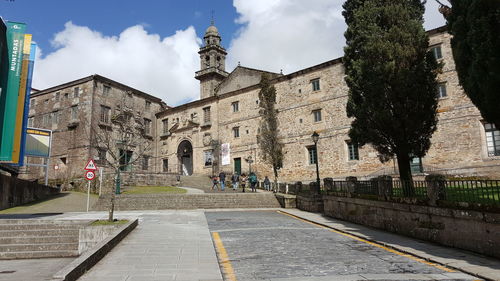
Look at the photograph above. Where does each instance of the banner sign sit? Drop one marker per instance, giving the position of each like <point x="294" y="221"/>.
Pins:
<point x="8" y="101"/>
<point x="225" y="154"/>
<point x="18" y="129"/>
<point x="31" y="65"/>
<point x="38" y="142"/>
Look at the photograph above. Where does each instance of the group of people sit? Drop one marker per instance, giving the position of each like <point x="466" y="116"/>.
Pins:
<point x="237" y="180"/>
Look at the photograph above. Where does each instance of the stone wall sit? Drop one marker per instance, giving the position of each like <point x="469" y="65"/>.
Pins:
<point x="15" y="192"/>
<point x="468" y="230"/>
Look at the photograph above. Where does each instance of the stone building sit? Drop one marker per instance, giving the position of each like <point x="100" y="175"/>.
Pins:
<point x="219" y="131"/>
<point x="312" y="99"/>
<point x="83" y="115"/>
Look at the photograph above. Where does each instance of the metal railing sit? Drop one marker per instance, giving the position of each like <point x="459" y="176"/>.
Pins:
<point x="485" y="192"/>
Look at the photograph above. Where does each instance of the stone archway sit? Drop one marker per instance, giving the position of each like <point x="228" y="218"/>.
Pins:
<point x="185" y="157"/>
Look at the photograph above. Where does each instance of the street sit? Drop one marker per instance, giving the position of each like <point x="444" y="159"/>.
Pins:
<point x="269" y="245"/>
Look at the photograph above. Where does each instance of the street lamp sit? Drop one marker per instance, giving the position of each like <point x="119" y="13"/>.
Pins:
<point x="315" y="138"/>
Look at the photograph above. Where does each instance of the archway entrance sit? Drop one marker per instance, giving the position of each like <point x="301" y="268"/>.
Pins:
<point x="185" y="156"/>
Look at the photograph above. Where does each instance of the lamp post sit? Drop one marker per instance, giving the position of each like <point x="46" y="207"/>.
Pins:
<point x="315" y="138"/>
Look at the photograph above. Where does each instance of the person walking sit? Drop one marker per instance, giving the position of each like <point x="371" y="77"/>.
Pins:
<point x="222" y="179"/>
<point x="215" y="182"/>
<point x="253" y="181"/>
<point x="236" y="180"/>
<point x="243" y="180"/>
<point x="267" y="184"/>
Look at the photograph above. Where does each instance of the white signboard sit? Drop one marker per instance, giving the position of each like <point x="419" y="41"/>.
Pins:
<point x="225" y="154"/>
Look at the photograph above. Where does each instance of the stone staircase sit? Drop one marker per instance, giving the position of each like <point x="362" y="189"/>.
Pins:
<point x="189" y="201"/>
<point x="31" y="238"/>
<point x="196" y="181"/>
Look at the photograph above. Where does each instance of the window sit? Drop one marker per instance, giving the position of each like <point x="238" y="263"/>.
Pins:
<point x="101" y="155"/>
<point x="106" y="89"/>
<point x="353" y="150"/>
<point x="45" y="102"/>
<point x="76" y="92"/>
<point x="55" y="117"/>
<point x="416" y="165"/>
<point x="31" y="121"/>
<point x="148" y="105"/>
<point x="147" y="126"/>
<point x="63" y="160"/>
<point x="105" y="111"/>
<point x="208" y="157"/>
<point x="206" y="115"/>
<point x="436" y="51"/>
<point x="58" y="96"/>
<point x="46" y="119"/>
<point x="313" y="156"/>
<point x="66" y="95"/>
<point x="236" y="132"/>
<point x="32" y="103"/>
<point x="235" y="106"/>
<point x="165" y="165"/>
<point x="125" y="157"/>
<point x="145" y="162"/>
<point x="165" y="126"/>
<point x="441" y="90"/>
<point x="492" y="139"/>
<point x="317" y="115"/>
<point x="315" y="84"/>
<point x="74" y="112"/>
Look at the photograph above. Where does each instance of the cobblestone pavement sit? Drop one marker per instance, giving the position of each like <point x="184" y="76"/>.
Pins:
<point x="267" y="245"/>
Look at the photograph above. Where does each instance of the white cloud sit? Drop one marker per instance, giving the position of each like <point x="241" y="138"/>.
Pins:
<point x="161" y="67"/>
<point x="294" y="34"/>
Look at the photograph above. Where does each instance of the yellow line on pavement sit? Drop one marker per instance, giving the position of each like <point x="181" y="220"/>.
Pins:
<point x="372" y="243"/>
<point x="223" y="258"/>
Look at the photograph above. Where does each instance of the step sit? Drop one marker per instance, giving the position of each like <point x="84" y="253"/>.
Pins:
<point x="43" y="221"/>
<point x="38" y="254"/>
<point x="39" y="226"/>
<point x="38" y="239"/>
<point x="57" y="246"/>
<point x="36" y="232"/>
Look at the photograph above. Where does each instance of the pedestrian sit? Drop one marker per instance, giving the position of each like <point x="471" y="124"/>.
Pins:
<point x="253" y="181"/>
<point x="267" y="184"/>
<point x="222" y="179"/>
<point x="236" y="180"/>
<point x="243" y="180"/>
<point x="215" y="182"/>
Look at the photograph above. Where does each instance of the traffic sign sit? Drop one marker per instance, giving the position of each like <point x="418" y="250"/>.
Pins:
<point x="89" y="175"/>
<point x="91" y="166"/>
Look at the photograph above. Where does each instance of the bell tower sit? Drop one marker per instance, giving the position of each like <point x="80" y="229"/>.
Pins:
<point x="212" y="62"/>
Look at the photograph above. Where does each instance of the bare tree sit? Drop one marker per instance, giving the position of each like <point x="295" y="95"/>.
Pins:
<point x="122" y="139"/>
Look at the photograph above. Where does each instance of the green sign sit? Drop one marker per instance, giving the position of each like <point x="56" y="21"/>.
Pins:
<point x="9" y="98"/>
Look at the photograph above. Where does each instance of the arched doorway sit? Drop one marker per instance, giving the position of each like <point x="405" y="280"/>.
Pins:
<point x="185" y="156"/>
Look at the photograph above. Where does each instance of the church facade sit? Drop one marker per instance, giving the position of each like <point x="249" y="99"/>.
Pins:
<point x="219" y="131"/>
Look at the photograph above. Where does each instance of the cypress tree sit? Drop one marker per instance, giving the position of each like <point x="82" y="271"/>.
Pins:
<point x="392" y="80"/>
<point x="270" y="146"/>
<point x="475" y="26"/>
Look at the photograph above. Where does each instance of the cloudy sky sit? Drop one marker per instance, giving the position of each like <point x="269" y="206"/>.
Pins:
<point x="152" y="45"/>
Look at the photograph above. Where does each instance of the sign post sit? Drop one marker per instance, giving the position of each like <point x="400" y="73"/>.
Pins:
<point x="89" y="175"/>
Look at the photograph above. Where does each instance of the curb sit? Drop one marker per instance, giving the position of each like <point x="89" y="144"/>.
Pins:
<point x="393" y="247"/>
<point x="88" y="259"/>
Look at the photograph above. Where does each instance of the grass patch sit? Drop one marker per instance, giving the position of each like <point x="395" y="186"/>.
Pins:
<point x="106" y="222"/>
<point x="153" y="190"/>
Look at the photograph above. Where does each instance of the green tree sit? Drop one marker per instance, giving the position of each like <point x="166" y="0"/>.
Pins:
<point x="391" y="78"/>
<point x="474" y="25"/>
<point x="272" y="149"/>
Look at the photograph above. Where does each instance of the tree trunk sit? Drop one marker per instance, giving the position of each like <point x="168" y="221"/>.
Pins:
<point x="276" y="187"/>
<point x="111" y="207"/>
<point x="405" y="174"/>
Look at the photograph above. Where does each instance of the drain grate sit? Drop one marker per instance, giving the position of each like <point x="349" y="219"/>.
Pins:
<point x="222" y="219"/>
<point x="7" y="271"/>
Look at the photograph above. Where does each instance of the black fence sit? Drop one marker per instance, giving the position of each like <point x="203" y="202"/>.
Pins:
<point x="484" y="192"/>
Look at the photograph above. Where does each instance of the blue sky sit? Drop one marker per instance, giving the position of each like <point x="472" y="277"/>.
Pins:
<point x="152" y="45"/>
